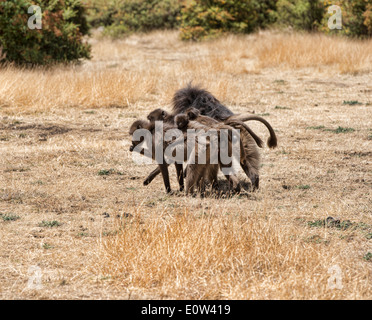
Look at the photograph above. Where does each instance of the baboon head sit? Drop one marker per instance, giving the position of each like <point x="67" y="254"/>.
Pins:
<point x="181" y="121"/>
<point x="138" y="124"/>
<point x="192" y="113"/>
<point x="157" y="115"/>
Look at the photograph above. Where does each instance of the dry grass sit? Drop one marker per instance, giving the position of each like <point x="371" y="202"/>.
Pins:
<point x="64" y="157"/>
<point x="301" y="51"/>
<point x="229" y="256"/>
<point x="125" y="72"/>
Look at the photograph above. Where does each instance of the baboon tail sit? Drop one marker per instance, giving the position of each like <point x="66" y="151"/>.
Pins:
<point x="272" y="141"/>
<point x="237" y="123"/>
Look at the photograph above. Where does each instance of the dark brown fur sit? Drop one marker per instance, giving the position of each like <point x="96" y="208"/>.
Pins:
<point x="194" y="114"/>
<point x="162" y="168"/>
<point x="208" y="105"/>
<point x="198" y="173"/>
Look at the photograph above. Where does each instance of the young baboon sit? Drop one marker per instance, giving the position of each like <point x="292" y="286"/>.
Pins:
<point x="198" y="172"/>
<point x="163" y="166"/>
<point x="160" y="115"/>
<point x="249" y="159"/>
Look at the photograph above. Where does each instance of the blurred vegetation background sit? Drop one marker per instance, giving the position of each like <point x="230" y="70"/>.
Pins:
<point x="66" y="22"/>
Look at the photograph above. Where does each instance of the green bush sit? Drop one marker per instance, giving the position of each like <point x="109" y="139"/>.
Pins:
<point x="125" y="16"/>
<point x="300" y="14"/>
<point x="356" y="18"/>
<point x="59" y="39"/>
<point x="199" y="19"/>
<point x="208" y="18"/>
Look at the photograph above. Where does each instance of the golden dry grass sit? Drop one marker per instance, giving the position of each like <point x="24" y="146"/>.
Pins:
<point x="64" y="157"/>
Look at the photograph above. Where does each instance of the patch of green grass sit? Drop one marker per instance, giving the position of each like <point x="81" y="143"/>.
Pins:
<point x="9" y="217"/>
<point x="303" y="187"/>
<point x="49" y="224"/>
<point x="280" y="81"/>
<point x="17" y="169"/>
<point x="316" y="223"/>
<point x="316" y="239"/>
<point x="107" y="172"/>
<point x="266" y="114"/>
<point x="368" y="256"/>
<point x="37" y="182"/>
<point x="316" y="128"/>
<point x="341" y="130"/>
<point x="352" y="102"/>
<point x="47" y="246"/>
<point x="282" y="152"/>
<point x="338" y="130"/>
<point x="83" y="234"/>
<point x="341" y="225"/>
<point x="282" y="108"/>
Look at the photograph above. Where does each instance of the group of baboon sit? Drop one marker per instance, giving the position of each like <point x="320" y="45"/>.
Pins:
<point x="196" y="108"/>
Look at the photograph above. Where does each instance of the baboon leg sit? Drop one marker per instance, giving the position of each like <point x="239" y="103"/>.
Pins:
<point x="185" y="172"/>
<point x="154" y="173"/>
<point x="164" y="171"/>
<point x="193" y="178"/>
<point x="152" y="176"/>
<point x="251" y="175"/>
<point x="234" y="182"/>
<point x="179" y="169"/>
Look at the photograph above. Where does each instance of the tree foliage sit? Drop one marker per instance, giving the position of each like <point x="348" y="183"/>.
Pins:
<point x="59" y="40"/>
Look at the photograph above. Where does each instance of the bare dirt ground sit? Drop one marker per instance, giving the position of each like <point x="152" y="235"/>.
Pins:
<point x="73" y="206"/>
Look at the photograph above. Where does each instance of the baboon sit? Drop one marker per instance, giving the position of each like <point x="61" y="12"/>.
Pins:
<point x="251" y="152"/>
<point x="158" y="115"/>
<point x="208" y="105"/>
<point x="162" y="167"/>
<point x="198" y="173"/>
<point x="250" y="149"/>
